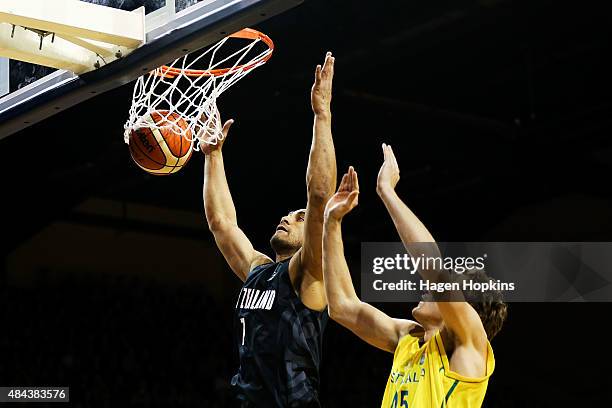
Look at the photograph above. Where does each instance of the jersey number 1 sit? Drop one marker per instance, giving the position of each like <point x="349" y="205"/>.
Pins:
<point x="243" y="329"/>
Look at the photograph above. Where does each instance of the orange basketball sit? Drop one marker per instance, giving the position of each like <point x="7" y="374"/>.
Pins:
<point x="161" y="151"/>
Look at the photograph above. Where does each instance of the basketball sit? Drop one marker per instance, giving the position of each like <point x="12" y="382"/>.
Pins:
<point x="161" y="150"/>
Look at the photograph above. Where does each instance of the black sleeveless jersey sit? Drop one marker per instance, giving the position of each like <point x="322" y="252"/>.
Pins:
<point x="279" y="342"/>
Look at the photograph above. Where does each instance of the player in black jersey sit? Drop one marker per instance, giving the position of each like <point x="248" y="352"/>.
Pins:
<point x="280" y="311"/>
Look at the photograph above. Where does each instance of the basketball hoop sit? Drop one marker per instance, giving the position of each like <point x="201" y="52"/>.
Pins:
<point x="180" y="92"/>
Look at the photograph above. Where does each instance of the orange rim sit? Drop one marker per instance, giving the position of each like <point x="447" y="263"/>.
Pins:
<point x="245" y="33"/>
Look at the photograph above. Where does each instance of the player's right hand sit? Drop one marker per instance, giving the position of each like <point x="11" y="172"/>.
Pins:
<point x="208" y="148"/>
<point x="346" y="198"/>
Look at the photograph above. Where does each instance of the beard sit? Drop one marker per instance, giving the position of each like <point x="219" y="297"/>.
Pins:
<point x="283" y="245"/>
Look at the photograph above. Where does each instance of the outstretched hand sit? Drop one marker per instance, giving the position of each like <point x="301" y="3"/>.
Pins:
<point x="208" y="148"/>
<point x="389" y="173"/>
<point x="321" y="93"/>
<point x="346" y="198"/>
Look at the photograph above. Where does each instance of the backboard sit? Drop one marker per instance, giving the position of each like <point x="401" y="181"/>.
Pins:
<point x="30" y="93"/>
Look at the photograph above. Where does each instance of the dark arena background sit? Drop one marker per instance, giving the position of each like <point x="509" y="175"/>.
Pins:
<point x="499" y="113"/>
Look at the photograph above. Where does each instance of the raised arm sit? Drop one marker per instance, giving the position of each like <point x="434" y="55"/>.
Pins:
<point x="370" y="324"/>
<point x="306" y="269"/>
<point x="459" y="316"/>
<point x="221" y="213"/>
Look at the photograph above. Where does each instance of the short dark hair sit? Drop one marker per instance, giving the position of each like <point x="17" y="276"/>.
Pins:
<point x="489" y="304"/>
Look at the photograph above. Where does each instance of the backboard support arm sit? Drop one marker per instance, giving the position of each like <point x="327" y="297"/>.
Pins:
<point x="192" y="29"/>
<point x="77" y="19"/>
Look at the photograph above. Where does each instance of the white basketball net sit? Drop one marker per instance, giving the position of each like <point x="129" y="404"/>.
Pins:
<point x="183" y="97"/>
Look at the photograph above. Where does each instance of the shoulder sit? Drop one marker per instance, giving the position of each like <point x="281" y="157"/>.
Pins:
<point x="296" y="269"/>
<point x="408" y="343"/>
<point x="299" y="270"/>
<point x="471" y="362"/>
<point x="295" y="262"/>
<point x="308" y="287"/>
<point x="258" y="263"/>
<point x="408" y="331"/>
<point x="259" y="259"/>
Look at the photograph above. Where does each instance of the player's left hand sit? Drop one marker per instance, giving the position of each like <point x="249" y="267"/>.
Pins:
<point x="321" y="94"/>
<point x="389" y="173"/>
<point x="346" y="198"/>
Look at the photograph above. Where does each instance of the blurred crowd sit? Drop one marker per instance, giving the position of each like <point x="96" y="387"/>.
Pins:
<point x="118" y="341"/>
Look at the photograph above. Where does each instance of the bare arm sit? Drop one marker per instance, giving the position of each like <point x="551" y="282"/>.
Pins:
<point x="459" y="316"/>
<point x="221" y="213"/>
<point x="367" y="322"/>
<point x="306" y="269"/>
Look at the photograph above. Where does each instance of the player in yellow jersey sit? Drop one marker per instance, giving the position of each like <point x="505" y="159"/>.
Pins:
<point x="444" y="358"/>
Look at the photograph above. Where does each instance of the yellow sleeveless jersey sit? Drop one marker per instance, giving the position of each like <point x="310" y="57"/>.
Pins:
<point x="421" y="378"/>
